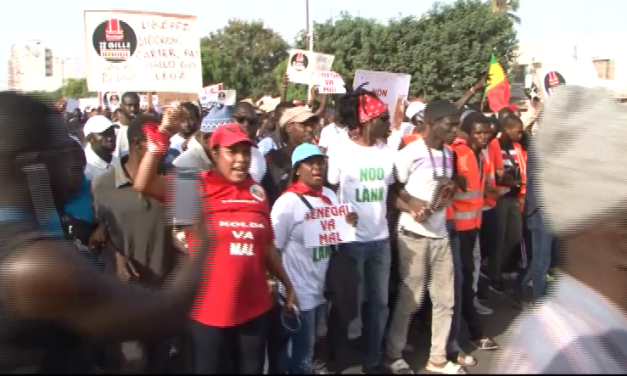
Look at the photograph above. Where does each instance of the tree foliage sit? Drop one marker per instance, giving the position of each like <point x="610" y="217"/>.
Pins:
<point x="73" y="88"/>
<point x="445" y="51"/>
<point x="243" y="56"/>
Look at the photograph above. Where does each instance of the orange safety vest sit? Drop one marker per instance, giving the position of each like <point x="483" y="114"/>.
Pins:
<point x="493" y="160"/>
<point x="467" y="207"/>
<point x="521" y="158"/>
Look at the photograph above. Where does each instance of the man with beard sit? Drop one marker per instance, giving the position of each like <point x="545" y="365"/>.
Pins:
<point x="100" y="136"/>
<point x="129" y="109"/>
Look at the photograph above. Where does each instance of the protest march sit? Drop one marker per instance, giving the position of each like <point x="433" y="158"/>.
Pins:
<point x="171" y="224"/>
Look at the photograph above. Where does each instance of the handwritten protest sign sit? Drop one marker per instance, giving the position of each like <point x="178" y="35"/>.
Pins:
<point x="302" y="65"/>
<point x="142" y="51"/>
<point x="388" y="86"/>
<point x="210" y="89"/>
<point x="327" y="225"/>
<point x="329" y="83"/>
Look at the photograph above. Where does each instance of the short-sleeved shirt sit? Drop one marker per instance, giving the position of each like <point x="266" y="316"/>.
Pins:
<point x="364" y="175"/>
<point x="136" y="224"/>
<point x="234" y="287"/>
<point x="306" y="267"/>
<point x="415" y="168"/>
<point x="332" y="134"/>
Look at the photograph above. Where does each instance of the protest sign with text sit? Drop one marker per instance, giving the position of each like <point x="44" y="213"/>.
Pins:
<point x="142" y="51"/>
<point x="582" y="73"/>
<point x="388" y="86"/>
<point x="326" y="225"/>
<point x="302" y="65"/>
<point x="329" y="83"/>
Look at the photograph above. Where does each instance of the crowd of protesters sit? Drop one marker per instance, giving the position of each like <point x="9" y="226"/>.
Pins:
<point x="441" y="197"/>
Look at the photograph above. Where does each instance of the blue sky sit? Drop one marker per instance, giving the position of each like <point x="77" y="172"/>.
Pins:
<point x="60" y="23"/>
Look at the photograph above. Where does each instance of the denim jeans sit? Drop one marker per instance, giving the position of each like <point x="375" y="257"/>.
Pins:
<point x="298" y="355"/>
<point x="373" y="262"/>
<point x="542" y="246"/>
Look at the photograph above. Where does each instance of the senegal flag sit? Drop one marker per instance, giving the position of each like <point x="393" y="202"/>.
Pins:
<point x="497" y="89"/>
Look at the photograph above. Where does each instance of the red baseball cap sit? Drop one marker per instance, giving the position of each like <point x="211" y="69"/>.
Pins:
<point x="229" y="135"/>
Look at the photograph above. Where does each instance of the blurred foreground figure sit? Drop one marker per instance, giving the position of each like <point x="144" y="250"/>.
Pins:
<point x="581" y="327"/>
<point x="54" y="304"/>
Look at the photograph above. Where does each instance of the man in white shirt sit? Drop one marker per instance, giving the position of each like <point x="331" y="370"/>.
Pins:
<point x="129" y="109"/>
<point x="425" y="168"/>
<point x="331" y="135"/>
<point x="100" y="136"/>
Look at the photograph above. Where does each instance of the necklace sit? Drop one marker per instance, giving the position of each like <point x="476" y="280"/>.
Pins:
<point x="432" y="159"/>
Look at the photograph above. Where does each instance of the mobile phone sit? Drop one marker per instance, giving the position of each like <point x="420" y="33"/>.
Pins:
<point x="186" y="202"/>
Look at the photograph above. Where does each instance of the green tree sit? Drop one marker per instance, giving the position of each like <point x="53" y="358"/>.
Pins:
<point x="243" y="56"/>
<point x="76" y="88"/>
<point x="508" y="7"/>
<point x="445" y="51"/>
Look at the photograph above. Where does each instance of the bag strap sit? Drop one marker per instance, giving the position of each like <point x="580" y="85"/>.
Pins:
<point x="311" y="208"/>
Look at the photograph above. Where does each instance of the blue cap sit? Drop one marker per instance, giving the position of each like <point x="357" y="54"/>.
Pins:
<point x="304" y="151"/>
<point x="218" y="115"/>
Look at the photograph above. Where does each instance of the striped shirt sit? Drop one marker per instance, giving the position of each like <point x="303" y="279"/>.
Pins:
<point x="576" y="330"/>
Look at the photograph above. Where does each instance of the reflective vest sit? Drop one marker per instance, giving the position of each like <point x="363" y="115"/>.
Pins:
<point x="493" y="161"/>
<point x="521" y="158"/>
<point x="467" y="207"/>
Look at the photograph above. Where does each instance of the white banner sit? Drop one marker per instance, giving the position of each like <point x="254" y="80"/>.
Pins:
<point x="225" y="97"/>
<point x="327" y="225"/>
<point x="142" y="51"/>
<point x="573" y="73"/>
<point x="302" y="65"/>
<point x="388" y="86"/>
<point x="329" y="83"/>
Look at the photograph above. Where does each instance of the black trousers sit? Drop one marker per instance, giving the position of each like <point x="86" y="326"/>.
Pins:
<point x="277" y="341"/>
<point x="467" y="240"/>
<point x="337" y="341"/>
<point x="488" y="233"/>
<point x="210" y="343"/>
<point x="509" y="234"/>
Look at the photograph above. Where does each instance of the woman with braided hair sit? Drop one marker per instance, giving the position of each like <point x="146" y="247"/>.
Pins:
<point x="362" y="170"/>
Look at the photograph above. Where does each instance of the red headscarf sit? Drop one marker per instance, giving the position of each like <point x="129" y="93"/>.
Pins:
<point x="369" y="108"/>
<point x="301" y="188"/>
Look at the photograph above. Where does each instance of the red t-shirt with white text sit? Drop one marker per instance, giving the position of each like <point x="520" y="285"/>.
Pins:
<point x="234" y="287"/>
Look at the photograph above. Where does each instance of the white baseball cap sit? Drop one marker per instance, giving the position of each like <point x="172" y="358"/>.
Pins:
<point x="414" y="108"/>
<point x="97" y="124"/>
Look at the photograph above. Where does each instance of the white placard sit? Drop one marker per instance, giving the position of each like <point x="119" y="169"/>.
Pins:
<point x="72" y="104"/>
<point x="302" y="65"/>
<point x="142" y="51"/>
<point x="388" y="86"/>
<point x="327" y="225"/>
<point x="88" y="104"/>
<point x="573" y="73"/>
<point x="329" y="83"/>
<point x="225" y="97"/>
<point x="210" y="89"/>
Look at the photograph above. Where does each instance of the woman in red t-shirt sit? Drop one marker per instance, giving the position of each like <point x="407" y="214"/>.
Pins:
<point x="233" y="299"/>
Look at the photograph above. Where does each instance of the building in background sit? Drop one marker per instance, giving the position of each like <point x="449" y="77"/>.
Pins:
<point x="609" y="61"/>
<point x="33" y="66"/>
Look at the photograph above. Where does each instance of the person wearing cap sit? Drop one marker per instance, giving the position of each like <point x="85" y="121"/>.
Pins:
<point x="581" y="326"/>
<point x="233" y="300"/>
<point x="101" y="141"/>
<point x="274" y="136"/>
<point x="305" y="266"/>
<point x="425" y="174"/>
<point x="296" y="126"/>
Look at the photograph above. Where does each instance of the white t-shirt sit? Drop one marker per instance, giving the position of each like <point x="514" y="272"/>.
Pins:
<point x="395" y="138"/>
<point x="176" y="142"/>
<point x="364" y="175"/>
<point x="121" y="142"/>
<point x="266" y="145"/>
<point x="95" y="165"/>
<point x="414" y="168"/>
<point x="306" y="267"/>
<point x="331" y="134"/>
<point x="258" y="166"/>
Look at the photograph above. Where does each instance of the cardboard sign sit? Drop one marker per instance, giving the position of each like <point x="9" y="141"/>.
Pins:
<point x="143" y="100"/>
<point x="573" y="73"/>
<point x="327" y="225"/>
<point x="142" y="52"/>
<point x="302" y="65"/>
<point x="329" y="83"/>
<point x="225" y="97"/>
<point x="388" y="86"/>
